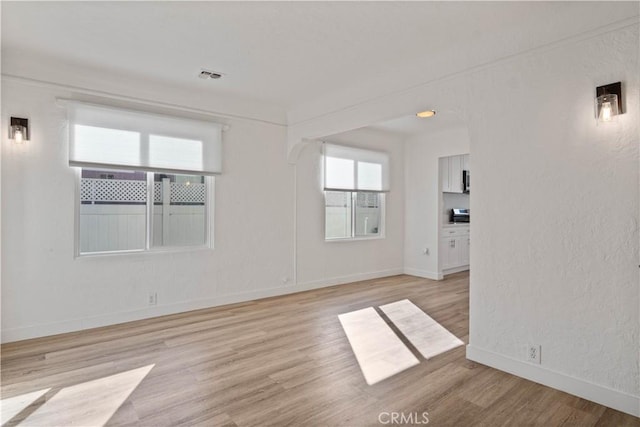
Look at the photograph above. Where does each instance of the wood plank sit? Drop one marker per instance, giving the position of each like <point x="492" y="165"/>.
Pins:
<point x="286" y="361"/>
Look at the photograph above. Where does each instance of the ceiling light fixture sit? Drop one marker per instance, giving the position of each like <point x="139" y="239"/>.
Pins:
<point x="426" y="113"/>
<point x="206" y="74"/>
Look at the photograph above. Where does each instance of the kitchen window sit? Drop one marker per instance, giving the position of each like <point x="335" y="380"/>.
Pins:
<point x="145" y="181"/>
<point x="355" y="182"/>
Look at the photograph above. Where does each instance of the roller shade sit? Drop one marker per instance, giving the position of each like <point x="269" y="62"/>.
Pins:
<point x="355" y="169"/>
<point x="112" y="138"/>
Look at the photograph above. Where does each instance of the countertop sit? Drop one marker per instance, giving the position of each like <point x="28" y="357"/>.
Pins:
<point x="456" y="224"/>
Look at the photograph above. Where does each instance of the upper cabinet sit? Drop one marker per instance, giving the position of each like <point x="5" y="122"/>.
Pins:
<point x="451" y="172"/>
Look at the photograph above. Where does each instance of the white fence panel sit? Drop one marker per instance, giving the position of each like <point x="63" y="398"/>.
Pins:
<point x="113" y="215"/>
<point x="112" y="228"/>
<point x="186" y="226"/>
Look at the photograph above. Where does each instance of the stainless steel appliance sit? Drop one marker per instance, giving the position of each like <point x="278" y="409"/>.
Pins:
<point x="459" y="215"/>
<point x="466" y="181"/>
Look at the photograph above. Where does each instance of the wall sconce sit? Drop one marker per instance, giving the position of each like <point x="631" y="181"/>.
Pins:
<point x="608" y="102"/>
<point x="19" y="130"/>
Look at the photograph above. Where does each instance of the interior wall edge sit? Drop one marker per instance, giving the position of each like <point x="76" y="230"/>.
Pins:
<point x="615" y="399"/>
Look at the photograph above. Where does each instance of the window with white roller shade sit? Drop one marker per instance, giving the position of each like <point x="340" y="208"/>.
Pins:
<point x="107" y="137"/>
<point x="355" y="169"/>
<point x="355" y="181"/>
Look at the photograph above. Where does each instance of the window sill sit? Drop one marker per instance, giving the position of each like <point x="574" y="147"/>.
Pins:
<point x="142" y="252"/>
<point x="354" y="239"/>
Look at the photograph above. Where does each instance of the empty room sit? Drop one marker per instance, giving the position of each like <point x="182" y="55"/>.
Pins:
<point x="230" y="213"/>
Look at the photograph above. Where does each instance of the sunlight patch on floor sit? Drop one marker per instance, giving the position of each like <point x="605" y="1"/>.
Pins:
<point x="91" y="403"/>
<point x="379" y="352"/>
<point x="425" y="334"/>
<point x="12" y="406"/>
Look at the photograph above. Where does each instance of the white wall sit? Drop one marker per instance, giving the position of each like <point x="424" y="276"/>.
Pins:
<point x="45" y="290"/>
<point x="422" y="217"/>
<point x="344" y="261"/>
<point x="561" y="270"/>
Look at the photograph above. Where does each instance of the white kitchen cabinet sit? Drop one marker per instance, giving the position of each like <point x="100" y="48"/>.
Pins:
<point x="463" y="246"/>
<point x="451" y="173"/>
<point x="454" y="248"/>
<point x="445" y="179"/>
<point x="448" y="253"/>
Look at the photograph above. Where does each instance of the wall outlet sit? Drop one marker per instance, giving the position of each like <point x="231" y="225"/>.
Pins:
<point x="153" y="298"/>
<point x="533" y="353"/>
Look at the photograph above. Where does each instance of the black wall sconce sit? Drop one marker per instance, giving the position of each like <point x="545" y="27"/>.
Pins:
<point x="19" y="130"/>
<point x="608" y="102"/>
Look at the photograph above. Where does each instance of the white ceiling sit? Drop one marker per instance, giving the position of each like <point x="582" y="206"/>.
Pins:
<point x="290" y="54"/>
<point x="410" y="125"/>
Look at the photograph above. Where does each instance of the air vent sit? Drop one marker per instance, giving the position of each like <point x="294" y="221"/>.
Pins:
<point x="205" y="74"/>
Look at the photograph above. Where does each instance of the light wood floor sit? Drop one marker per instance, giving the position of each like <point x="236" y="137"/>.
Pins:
<point x="286" y="361"/>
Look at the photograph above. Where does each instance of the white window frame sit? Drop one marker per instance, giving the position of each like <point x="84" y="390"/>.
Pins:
<point x="354" y="196"/>
<point x="341" y="183"/>
<point x="149" y="248"/>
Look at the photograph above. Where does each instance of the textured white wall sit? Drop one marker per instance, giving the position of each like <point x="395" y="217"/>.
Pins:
<point x="422" y="217"/>
<point x="561" y="268"/>
<point x="45" y="290"/>
<point x="340" y="262"/>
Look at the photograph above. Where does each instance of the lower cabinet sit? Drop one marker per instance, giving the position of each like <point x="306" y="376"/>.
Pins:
<point x="454" y="250"/>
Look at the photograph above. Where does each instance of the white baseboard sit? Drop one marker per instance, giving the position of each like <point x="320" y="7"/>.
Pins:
<point x="611" y="398"/>
<point x="423" y="273"/>
<point x="455" y="270"/>
<point x="340" y="280"/>
<point x="73" y="325"/>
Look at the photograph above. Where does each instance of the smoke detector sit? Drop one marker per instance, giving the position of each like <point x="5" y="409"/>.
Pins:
<point x="206" y="74"/>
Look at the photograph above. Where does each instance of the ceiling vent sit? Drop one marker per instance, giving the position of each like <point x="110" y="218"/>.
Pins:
<point x="205" y="74"/>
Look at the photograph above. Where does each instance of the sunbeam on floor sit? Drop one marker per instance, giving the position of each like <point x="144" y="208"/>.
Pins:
<point x="91" y="403"/>
<point x="380" y="353"/>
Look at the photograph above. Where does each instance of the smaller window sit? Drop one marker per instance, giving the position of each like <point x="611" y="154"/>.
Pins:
<point x="355" y="181"/>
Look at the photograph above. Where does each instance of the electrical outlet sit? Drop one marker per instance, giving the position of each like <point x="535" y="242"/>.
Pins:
<point x="533" y="353"/>
<point x="153" y="298"/>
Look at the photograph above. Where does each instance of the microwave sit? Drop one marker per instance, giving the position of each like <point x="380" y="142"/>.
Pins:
<point x="466" y="181"/>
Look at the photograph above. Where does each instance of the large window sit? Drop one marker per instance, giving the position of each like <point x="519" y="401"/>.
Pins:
<point x="355" y="181"/>
<point x="145" y="181"/>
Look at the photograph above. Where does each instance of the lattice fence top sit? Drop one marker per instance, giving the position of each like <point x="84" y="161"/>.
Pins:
<point x="157" y="192"/>
<point x="368" y="200"/>
<point x="187" y="193"/>
<point x="337" y="199"/>
<point x="113" y="190"/>
<point x="343" y="199"/>
<point x="123" y="191"/>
